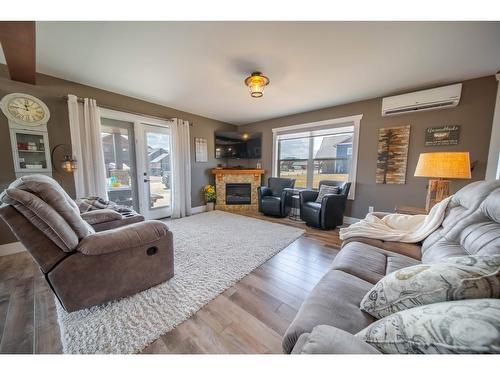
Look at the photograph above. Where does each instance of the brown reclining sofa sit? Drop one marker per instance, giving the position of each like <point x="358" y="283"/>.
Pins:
<point x="84" y="266"/>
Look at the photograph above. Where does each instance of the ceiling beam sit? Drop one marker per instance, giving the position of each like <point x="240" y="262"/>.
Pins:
<point x="19" y="48"/>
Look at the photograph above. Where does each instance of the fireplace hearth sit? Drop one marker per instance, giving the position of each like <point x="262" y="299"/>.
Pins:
<point x="238" y="193"/>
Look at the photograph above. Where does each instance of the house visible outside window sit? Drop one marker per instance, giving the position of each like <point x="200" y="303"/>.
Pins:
<point x="317" y="152"/>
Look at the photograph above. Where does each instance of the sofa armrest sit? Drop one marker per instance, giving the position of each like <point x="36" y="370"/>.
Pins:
<point x="332" y="210"/>
<point x="127" y="237"/>
<point x="330" y="340"/>
<point x="100" y="216"/>
<point x="308" y="196"/>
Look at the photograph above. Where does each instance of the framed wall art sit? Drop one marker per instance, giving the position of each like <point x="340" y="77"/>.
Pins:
<point x="201" y="150"/>
<point x="392" y="155"/>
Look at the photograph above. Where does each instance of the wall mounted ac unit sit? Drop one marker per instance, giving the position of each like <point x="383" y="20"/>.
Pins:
<point x="425" y="100"/>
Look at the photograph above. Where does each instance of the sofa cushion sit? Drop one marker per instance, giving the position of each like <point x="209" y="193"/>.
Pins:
<point x="330" y="340"/>
<point x="452" y="279"/>
<point x="368" y="262"/>
<point x="453" y="327"/>
<point x="43" y="217"/>
<point x="334" y="301"/>
<point x="471" y="225"/>
<point x="49" y="191"/>
<point x="411" y="250"/>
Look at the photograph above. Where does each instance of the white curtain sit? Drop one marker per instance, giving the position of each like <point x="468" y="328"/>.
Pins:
<point x="181" y="169"/>
<point x="85" y="128"/>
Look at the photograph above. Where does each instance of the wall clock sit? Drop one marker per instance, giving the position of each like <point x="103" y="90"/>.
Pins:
<point x="24" y="109"/>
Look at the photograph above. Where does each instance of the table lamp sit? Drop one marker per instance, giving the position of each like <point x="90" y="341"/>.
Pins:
<point x="441" y="166"/>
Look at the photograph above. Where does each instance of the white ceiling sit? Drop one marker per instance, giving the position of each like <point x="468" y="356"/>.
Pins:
<point x="199" y="67"/>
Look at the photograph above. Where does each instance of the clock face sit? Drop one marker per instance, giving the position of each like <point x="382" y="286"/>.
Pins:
<point x="25" y="109"/>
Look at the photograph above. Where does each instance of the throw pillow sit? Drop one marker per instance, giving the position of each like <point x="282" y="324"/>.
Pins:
<point x="457" y="278"/>
<point x="326" y="189"/>
<point x="453" y="327"/>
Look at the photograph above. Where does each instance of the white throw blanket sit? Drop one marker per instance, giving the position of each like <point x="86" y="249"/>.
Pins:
<point x="398" y="227"/>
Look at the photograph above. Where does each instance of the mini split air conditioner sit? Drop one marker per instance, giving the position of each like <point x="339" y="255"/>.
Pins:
<point x="425" y="100"/>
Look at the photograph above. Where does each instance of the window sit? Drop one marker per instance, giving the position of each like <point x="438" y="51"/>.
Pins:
<point x="319" y="151"/>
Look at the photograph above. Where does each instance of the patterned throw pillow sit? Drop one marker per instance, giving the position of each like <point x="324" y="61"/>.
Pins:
<point x="453" y="279"/>
<point x="326" y="189"/>
<point x="454" y="327"/>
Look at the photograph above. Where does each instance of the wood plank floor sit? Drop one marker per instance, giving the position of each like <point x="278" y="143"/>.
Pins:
<point x="250" y="317"/>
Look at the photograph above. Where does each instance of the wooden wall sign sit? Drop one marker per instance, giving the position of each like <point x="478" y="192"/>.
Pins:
<point x="443" y="136"/>
<point x="392" y="155"/>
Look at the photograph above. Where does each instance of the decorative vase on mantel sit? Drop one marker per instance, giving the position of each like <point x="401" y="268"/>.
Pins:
<point x="210" y="206"/>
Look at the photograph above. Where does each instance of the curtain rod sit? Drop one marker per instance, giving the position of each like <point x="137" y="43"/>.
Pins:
<point x="80" y="100"/>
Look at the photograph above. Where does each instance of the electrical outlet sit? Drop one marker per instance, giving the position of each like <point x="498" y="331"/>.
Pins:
<point x="370" y="208"/>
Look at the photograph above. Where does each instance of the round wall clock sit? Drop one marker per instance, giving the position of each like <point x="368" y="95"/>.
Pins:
<point x="25" y="109"/>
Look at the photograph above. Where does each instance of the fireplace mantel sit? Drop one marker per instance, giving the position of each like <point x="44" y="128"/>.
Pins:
<point x="224" y="176"/>
<point x="220" y="172"/>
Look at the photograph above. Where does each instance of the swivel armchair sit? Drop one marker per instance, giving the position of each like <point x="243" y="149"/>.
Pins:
<point x="274" y="199"/>
<point x="329" y="213"/>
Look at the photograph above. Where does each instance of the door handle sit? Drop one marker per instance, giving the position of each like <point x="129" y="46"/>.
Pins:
<point x="146" y="180"/>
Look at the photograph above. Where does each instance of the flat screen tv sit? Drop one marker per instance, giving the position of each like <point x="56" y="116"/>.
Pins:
<point x="234" y="145"/>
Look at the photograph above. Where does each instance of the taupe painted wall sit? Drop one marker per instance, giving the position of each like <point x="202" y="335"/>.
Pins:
<point x="474" y="114"/>
<point x="51" y="90"/>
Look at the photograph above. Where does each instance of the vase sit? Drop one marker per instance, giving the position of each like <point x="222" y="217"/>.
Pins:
<point x="210" y="206"/>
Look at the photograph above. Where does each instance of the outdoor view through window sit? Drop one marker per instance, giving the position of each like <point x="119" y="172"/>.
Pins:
<point x="310" y="157"/>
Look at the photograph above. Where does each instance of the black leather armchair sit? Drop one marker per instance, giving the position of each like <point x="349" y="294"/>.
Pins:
<point x="274" y="199"/>
<point x="330" y="212"/>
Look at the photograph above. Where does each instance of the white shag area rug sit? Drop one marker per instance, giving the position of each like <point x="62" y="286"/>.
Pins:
<point x="212" y="251"/>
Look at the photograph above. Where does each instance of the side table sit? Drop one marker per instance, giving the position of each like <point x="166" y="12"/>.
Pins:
<point x="295" y="208"/>
<point x="294" y="203"/>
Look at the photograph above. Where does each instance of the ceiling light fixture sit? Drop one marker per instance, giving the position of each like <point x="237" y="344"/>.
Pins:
<point x="256" y="84"/>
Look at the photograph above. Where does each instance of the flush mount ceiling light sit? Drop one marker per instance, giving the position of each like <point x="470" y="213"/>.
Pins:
<point x="256" y="84"/>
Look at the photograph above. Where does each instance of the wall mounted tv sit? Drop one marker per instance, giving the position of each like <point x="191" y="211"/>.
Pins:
<point x="234" y="145"/>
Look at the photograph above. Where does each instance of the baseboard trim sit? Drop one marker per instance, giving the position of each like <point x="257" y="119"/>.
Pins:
<point x="11" y="248"/>
<point x="350" y="220"/>
<point x="198" y="210"/>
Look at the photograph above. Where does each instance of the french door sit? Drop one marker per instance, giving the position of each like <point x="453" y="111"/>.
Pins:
<point x="138" y="159"/>
<point x="154" y="153"/>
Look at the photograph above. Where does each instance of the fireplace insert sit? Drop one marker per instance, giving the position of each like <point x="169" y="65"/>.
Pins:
<point x="238" y="193"/>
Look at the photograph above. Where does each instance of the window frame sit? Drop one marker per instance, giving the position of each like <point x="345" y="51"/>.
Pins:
<point x="354" y="121"/>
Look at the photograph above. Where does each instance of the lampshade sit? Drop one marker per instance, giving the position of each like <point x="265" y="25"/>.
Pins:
<point x="444" y="165"/>
<point x="256" y="83"/>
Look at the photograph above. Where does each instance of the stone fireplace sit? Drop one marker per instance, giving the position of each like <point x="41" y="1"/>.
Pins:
<point x="236" y="189"/>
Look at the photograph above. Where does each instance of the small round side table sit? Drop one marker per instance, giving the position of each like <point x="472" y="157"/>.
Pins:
<point x="295" y="208"/>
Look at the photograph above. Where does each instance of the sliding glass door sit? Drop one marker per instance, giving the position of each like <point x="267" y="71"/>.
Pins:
<point x="119" y="156"/>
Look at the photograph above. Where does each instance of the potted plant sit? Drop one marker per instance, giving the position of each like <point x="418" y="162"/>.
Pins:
<point x="210" y="197"/>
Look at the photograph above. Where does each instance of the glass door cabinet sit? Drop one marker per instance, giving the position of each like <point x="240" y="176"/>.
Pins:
<point x="31" y="152"/>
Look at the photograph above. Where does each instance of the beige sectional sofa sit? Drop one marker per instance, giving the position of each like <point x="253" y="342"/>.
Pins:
<point x="471" y="227"/>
